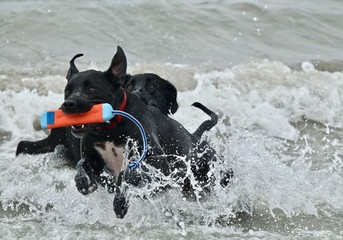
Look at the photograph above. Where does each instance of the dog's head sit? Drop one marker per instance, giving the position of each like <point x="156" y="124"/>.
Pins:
<point x="154" y="91"/>
<point x="85" y="89"/>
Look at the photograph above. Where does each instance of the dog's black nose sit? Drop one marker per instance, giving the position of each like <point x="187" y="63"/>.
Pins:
<point x="69" y="105"/>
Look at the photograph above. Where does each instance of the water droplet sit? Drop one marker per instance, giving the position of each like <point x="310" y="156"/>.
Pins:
<point x="327" y="130"/>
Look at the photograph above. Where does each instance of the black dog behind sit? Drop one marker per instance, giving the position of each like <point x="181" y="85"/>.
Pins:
<point x="160" y="93"/>
<point x="96" y="148"/>
<point x="154" y="91"/>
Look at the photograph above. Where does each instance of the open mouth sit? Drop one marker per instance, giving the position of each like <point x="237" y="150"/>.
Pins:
<point x="80" y="131"/>
<point x="78" y="127"/>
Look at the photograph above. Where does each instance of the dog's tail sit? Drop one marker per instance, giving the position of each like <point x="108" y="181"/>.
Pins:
<point x="208" y="124"/>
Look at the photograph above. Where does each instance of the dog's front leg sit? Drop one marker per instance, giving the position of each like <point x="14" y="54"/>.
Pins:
<point x="121" y="201"/>
<point x="84" y="179"/>
<point x="57" y="136"/>
<point x="137" y="178"/>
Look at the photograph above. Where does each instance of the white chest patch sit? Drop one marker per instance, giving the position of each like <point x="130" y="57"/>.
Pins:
<point x="112" y="155"/>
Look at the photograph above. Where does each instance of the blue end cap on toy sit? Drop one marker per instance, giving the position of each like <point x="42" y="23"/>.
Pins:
<point x="47" y="118"/>
<point x="107" y="112"/>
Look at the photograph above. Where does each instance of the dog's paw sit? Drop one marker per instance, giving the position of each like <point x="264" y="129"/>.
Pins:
<point x="120" y="203"/>
<point x="85" y="182"/>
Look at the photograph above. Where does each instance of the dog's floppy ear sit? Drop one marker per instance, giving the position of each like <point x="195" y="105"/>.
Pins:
<point x="117" y="70"/>
<point x="73" y="69"/>
<point x="171" y="95"/>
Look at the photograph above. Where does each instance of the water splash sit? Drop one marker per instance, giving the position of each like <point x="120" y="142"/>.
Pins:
<point x="287" y="180"/>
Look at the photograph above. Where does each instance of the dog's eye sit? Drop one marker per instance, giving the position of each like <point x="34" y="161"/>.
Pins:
<point x="151" y="86"/>
<point x="91" y="89"/>
<point x="130" y="87"/>
<point x="67" y="90"/>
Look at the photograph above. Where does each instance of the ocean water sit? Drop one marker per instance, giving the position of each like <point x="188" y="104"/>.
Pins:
<point x="272" y="70"/>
